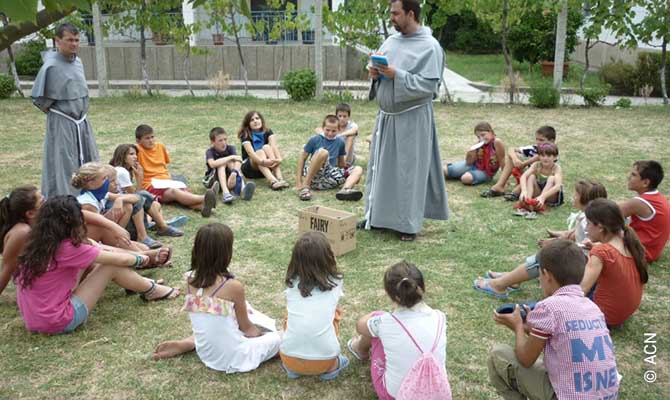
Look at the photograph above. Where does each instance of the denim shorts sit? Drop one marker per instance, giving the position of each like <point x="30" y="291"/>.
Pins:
<point x="533" y="265"/>
<point x="457" y="169"/>
<point x="80" y="314"/>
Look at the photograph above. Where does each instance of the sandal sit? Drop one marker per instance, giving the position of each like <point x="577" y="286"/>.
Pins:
<point x="157" y="263"/>
<point x="350" y="346"/>
<point x="342" y="363"/>
<point x="487" y="289"/>
<point x="132" y="292"/>
<point x="227" y="198"/>
<point x="169" y="295"/>
<point x="407" y="237"/>
<point x="515" y="288"/>
<point x="283" y="184"/>
<point x="276" y="185"/>
<point x="491" y="193"/>
<point x="305" y="194"/>
<point x="511" y="196"/>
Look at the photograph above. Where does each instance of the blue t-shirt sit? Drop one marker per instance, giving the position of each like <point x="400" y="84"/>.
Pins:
<point x="335" y="147"/>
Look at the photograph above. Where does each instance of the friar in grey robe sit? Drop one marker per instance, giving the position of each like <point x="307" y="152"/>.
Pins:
<point x="405" y="184"/>
<point x="60" y="91"/>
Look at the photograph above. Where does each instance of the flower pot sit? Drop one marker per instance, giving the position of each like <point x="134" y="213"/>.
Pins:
<point x="548" y="68"/>
<point x="159" y="39"/>
<point x="217" y="38"/>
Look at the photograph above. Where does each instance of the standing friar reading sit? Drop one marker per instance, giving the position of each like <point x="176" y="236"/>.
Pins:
<point x="404" y="183"/>
<point x="60" y="91"/>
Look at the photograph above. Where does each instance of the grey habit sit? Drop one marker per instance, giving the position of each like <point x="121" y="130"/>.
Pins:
<point x="60" y="90"/>
<point x="405" y="182"/>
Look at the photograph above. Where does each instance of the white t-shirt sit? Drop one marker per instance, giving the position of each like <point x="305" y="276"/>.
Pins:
<point x="352" y="156"/>
<point x="400" y="351"/>
<point x="88" y="198"/>
<point x="310" y="334"/>
<point x="123" y="179"/>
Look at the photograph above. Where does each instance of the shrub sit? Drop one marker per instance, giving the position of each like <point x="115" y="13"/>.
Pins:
<point x="29" y="58"/>
<point x="620" y="76"/>
<point x="300" y="84"/>
<point x="594" y="96"/>
<point x="343" y="96"/>
<point x="466" y="33"/>
<point x="7" y="86"/>
<point x="533" y="38"/>
<point x="623" y="103"/>
<point x="543" y="94"/>
<point x="648" y="72"/>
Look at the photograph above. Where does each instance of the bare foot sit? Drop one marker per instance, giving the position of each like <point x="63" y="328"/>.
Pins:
<point x="173" y="348"/>
<point x="498" y="275"/>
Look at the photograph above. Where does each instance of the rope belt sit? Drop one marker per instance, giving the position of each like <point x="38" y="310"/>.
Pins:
<point x="77" y="123"/>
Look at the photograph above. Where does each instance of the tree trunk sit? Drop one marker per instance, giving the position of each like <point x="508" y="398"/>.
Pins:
<point x="15" y="31"/>
<point x="187" y="68"/>
<point x="318" y="49"/>
<point x="231" y="13"/>
<point x="447" y="96"/>
<point x="100" y="56"/>
<point x="506" y="52"/>
<point x="664" y="64"/>
<point x="587" y="64"/>
<point x="281" y="65"/>
<point x="559" y="51"/>
<point x="12" y="64"/>
<point x="339" y="71"/>
<point x="143" y="54"/>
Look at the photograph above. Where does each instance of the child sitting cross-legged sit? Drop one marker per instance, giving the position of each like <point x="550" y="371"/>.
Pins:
<point x="51" y="294"/>
<point x="579" y="360"/>
<point x="223" y="169"/>
<point x="327" y="168"/>
<point x="394" y="342"/>
<point x="154" y="158"/>
<point x="482" y="160"/>
<point x="225" y="336"/>
<point x="314" y="286"/>
<point x="541" y="184"/>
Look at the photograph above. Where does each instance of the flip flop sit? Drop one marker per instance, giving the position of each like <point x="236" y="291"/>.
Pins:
<point x="488" y="290"/>
<point x="166" y="296"/>
<point x="289" y="373"/>
<point x="350" y="346"/>
<point x="509" y="288"/>
<point x="342" y="363"/>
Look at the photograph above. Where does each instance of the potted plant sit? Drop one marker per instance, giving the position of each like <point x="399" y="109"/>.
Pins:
<point x="533" y="37"/>
<point x="217" y="38"/>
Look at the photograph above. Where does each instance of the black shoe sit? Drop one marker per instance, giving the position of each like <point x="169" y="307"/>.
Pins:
<point x="361" y="224"/>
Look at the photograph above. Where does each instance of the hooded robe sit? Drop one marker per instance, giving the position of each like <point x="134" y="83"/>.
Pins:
<point x="60" y="90"/>
<point x="405" y="183"/>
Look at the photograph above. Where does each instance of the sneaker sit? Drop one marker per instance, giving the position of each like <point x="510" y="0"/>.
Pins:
<point x="178" y="221"/>
<point x="171" y="232"/>
<point x="248" y="191"/>
<point x="237" y="190"/>
<point x="349" y="195"/>
<point x="227" y="198"/>
<point x="216" y="187"/>
<point x="210" y="202"/>
<point x="151" y="243"/>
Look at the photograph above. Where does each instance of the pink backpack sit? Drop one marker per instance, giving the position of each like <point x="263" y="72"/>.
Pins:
<point x="427" y="379"/>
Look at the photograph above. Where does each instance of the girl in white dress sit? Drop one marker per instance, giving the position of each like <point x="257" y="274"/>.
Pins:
<point x="228" y="334"/>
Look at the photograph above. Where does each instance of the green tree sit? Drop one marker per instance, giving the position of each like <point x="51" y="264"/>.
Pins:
<point x="656" y="25"/>
<point x="181" y="34"/>
<point x="359" y="22"/>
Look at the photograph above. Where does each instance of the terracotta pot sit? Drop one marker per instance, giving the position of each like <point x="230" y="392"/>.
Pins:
<point x="548" y="68"/>
<point x="159" y="39"/>
<point x="217" y="38"/>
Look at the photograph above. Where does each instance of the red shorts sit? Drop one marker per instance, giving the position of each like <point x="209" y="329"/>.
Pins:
<point x="159" y="193"/>
<point x="516" y="172"/>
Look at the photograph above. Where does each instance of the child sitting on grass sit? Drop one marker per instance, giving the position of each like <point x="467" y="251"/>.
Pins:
<point x="224" y="334"/>
<point x="541" y="184"/>
<point x="347" y="130"/>
<point x="515" y="166"/>
<point x="260" y="153"/>
<point x="498" y="284"/>
<point x="327" y="168"/>
<point x="51" y="294"/>
<point x="617" y="269"/>
<point x="314" y="286"/>
<point x="482" y="160"/>
<point x="154" y="158"/>
<point x="223" y="169"/>
<point x="579" y="359"/>
<point x="129" y="177"/>
<point x="395" y="341"/>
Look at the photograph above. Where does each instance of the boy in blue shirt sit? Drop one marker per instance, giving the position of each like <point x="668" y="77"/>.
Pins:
<point x="327" y="166"/>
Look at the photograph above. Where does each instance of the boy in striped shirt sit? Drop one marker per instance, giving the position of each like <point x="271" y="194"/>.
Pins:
<point x="579" y="360"/>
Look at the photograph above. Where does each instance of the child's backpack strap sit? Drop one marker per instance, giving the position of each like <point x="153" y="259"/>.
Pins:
<point x="437" y="337"/>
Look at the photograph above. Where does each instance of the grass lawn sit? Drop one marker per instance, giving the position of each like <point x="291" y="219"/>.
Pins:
<point x="490" y="69"/>
<point x="110" y="356"/>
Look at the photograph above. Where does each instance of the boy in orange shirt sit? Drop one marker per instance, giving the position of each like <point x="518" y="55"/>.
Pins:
<point x="154" y="158"/>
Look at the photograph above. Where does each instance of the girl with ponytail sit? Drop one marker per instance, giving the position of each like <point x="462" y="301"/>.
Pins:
<point x="17" y="214"/>
<point x="390" y="340"/>
<point x="617" y="266"/>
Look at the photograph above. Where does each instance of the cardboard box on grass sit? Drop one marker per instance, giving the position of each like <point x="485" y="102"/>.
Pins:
<point x="338" y="226"/>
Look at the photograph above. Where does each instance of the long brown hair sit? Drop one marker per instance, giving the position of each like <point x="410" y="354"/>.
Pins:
<point x="313" y="263"/>
<point x="607" y="214"/>
<point x="119" y="157"/>
<point x="245" y="129"/>
<point x="588" y="190"/>
<point x="14" y="207"/>
<point x="211" y="254"/>
<point x="404" y="284"/>
<point x="60" y="218"/>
